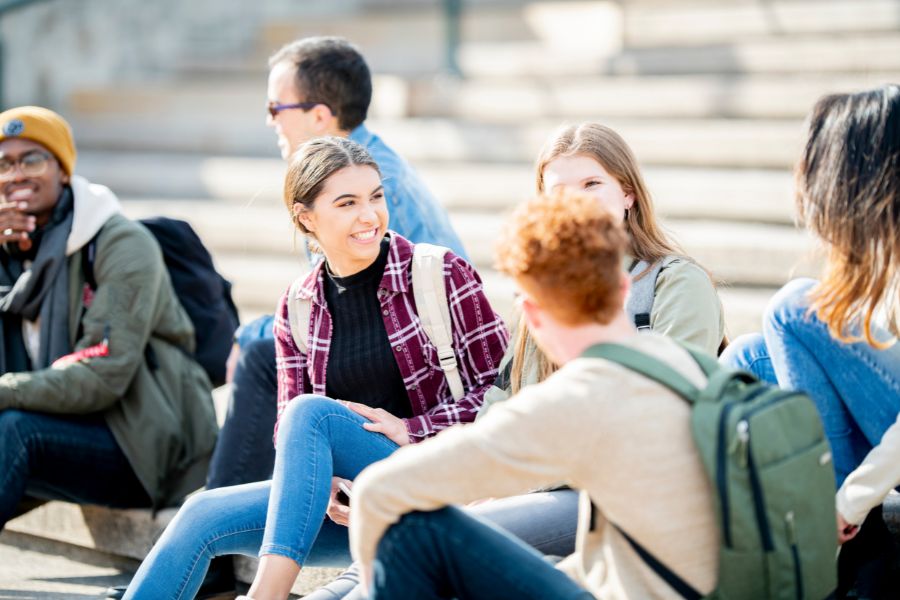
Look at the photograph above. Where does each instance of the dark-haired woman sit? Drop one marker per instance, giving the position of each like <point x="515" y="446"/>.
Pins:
<point x="364" y="342"/>
<point x="836" y="338"/>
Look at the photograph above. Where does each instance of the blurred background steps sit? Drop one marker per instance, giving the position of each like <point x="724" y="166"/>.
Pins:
<point x="711" y="95"/>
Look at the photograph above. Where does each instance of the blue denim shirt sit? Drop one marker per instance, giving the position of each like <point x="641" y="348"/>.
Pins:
<point x="414" y="213"/>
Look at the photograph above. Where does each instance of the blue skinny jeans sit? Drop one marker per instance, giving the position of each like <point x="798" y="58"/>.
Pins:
<point x="855" y="387"/>
<point x="451" y="554"/>
<point x="318" y="438"/>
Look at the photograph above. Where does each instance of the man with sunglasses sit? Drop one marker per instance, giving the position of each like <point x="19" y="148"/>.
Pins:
<point x="99" y="402"/>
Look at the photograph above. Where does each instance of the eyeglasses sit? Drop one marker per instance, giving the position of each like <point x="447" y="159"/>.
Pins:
<point x="274" y="108"/>
<point x="32" y="164"/>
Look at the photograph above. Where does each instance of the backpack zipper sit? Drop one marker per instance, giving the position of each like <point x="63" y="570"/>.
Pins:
<point x="759" y="505"/>
<point x="722" y="474"/>
<point x="722" y="463"/>
<point x="795" y="552"/>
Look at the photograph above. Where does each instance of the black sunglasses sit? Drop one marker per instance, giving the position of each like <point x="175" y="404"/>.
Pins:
<point x="274" y="107"/>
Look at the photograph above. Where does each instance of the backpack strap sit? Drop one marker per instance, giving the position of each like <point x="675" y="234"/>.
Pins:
<point x="643" y="291"/>
<point x="647" y="366"/>
<point x="88" y="256"/>
<point x="299" y="310"/>
<point x="430" y="293"/>
<point x="686" y="590"/>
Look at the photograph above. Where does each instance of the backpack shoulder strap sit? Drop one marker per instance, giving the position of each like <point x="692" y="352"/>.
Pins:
<point x="647" y="366"/>
<point x="299" y="310"/>
<point x="684" y="589"/>
<point x="430" y="293"/>
<point x="643" y="291"/>
<point x="88" y="256"/>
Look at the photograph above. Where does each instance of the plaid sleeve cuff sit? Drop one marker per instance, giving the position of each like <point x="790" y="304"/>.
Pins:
<point x="418" y="428"/>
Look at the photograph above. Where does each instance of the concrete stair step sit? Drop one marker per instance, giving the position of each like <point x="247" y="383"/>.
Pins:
<point x="130" y="534"/>
<point x="740" y="143"/>
<point x="166" y="182"/>
<point x="261" y="240"/>
<point x="849" y="53"/>
<point x="691" y="23"/>
<point x="655" y="96"/>
<point x="501" y="100"/>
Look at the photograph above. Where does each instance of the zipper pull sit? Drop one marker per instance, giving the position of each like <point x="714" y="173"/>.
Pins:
<point x="791" y="528"/>
<point x="742" y="441"/>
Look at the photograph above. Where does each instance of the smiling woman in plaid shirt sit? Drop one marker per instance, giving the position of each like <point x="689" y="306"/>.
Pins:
<point x="365" y="344"/>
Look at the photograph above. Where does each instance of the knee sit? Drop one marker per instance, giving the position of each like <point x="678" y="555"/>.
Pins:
<point x="789" y="305"/>
<point x="15" y="425"/>
<point x="304" y="410"/>
<point x="743" y="351"/>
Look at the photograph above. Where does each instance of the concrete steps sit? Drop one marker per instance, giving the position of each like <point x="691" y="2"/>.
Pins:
<point x="242" y="183"/>
<point x="504" y="100"/>
<point x="740" y="143"/>
<point x="130" y="534"/>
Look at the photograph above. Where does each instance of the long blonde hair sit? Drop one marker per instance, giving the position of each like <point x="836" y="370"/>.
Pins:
<point x="848" y="193"/>
<point x="649" y="242"/>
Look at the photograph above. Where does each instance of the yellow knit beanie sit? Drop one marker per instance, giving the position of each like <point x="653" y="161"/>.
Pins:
<point x="44" y="127"/>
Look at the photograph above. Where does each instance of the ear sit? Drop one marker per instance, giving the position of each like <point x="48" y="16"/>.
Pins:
<point x="324" y="120"/>
<point x="624" y="286"/>
<point x="304" y="216"/>
<point x="532" y="311"/>
<point x="629" y="200"/>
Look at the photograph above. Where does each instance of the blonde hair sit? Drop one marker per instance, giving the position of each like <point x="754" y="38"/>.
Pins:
<point x="648" y="241"/>
<point x="848" y="193"/>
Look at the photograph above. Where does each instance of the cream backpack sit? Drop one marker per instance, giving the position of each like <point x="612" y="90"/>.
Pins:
<point x="431" y="301"/>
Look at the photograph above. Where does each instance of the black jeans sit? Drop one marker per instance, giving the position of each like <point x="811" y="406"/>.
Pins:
<point x="451" y="554"/>
<point x="63" y="457"/>
<point x="244" y="451"/>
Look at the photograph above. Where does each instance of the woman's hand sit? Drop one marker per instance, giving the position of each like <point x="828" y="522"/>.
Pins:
<point x="846" y="531"/>
<point x="337" y="511"/>
<point x="383" y="422"/>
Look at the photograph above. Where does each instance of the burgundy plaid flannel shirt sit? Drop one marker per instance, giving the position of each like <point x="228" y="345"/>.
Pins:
<point x="479" y="340"/>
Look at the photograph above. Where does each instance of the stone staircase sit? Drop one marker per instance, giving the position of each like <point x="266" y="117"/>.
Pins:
<point x="711" y="96"/>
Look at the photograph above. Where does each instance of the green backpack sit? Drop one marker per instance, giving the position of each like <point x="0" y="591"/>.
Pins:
<point x="769" y="463"/>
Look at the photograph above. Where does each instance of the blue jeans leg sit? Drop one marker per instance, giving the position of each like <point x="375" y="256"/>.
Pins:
<point x="451" y="554"/>
<point x="214" y="523"/>
<point x="244" y="450"/>
<point x="546" y="521"/>
<point x="750" y="353"/>
<point x="72" y="458"/>
<point x="855" y="387"/>
<point x="318" y="438"/>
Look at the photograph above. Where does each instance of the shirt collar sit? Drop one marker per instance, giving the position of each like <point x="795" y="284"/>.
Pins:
<point x="361" y="135"/>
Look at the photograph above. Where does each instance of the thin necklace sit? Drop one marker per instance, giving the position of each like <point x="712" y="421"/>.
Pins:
<point x="340" y="289"/>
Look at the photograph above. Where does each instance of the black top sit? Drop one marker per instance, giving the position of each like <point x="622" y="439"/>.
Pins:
<point x="361" y="363"/>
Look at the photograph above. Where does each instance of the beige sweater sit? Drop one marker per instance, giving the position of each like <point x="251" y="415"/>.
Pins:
<point x="623" y="440"/>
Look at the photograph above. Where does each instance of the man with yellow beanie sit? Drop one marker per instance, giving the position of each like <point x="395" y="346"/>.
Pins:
<point x="99" y="400"/>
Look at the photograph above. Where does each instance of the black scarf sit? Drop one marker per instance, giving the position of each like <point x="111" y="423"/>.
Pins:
<point x="39" y="290"/>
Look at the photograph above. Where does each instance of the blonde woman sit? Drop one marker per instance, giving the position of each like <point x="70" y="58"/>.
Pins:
<point x="836" y="338"/>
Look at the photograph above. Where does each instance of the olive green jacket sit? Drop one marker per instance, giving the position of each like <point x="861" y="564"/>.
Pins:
<point x="154" y="397"/>
<point x="686" y="308"/>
